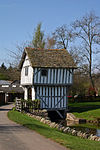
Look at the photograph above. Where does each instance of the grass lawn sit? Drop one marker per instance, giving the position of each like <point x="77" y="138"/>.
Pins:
<point x="86" y="110"/>
<point x="69" y="141"/>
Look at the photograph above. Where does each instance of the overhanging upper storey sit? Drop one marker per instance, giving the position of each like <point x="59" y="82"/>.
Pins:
<point x="46" y="66"/>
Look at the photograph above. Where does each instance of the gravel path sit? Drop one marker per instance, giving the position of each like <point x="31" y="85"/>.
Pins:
<point x="16" y="137"/>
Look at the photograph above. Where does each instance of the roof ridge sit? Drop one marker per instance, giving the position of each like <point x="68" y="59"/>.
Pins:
<point x="42" y="48"/>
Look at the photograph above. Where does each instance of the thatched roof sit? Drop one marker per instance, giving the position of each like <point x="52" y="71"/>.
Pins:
<point x="49" y="58"/>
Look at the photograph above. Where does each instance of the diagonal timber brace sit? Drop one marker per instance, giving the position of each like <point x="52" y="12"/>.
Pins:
<point x="59" y="101"/>
<point x="59" y="114"/>
<point x="42" y="99"/>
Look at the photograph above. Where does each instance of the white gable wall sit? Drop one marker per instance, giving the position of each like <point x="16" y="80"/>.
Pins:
<point x="27" y="80"/>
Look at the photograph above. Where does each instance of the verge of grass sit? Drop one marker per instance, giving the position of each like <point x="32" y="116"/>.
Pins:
<point x="86" y="110"/>
<point x="88" y="115"/>
<point x="69" y="141"/>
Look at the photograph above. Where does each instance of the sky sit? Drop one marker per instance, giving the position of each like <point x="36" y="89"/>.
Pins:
<point x="19" y="18"/>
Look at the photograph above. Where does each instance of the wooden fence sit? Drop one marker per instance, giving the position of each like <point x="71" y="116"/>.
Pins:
<point x="26" y="105"/>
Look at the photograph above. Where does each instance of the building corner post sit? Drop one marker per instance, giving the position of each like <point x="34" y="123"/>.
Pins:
<point x="33" y="93"/>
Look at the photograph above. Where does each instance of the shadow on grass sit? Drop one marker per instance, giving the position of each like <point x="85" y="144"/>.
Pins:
<point x="36" y="126"/>
<point x="43" y="130"/>
<point x="83" y="108"/>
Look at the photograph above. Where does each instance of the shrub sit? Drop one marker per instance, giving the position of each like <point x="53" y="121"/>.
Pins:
<point x="29" y="105"/>
<point x="36" y="103"/>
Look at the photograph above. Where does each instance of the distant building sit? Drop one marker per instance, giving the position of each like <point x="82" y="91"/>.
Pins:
<point x="9" y="90"/>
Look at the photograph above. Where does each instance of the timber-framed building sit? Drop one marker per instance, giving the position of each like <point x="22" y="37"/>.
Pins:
<point x="46" y="74"/>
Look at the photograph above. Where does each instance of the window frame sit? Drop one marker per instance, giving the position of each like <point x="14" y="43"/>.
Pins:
<point x="44" y="72"/>
<point x="26" y="70"/>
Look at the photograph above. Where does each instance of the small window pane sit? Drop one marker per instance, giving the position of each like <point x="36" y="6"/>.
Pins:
<point x="26" y="71"/>
<point x="44" y="72"/>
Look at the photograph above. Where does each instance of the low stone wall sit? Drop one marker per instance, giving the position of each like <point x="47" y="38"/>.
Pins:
<point x="96" y="121"/>
<point x="71" y="117"/>
<point x="66" y="130"/>
<point x="42" y="113"/>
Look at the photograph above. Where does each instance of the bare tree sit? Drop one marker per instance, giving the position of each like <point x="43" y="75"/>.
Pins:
<point x="63" y="36"/>
<point x="74" y="52"/>
<point x="50" y="42"/>
<point x="87" y="29"/>
<point x="15" y="55"/>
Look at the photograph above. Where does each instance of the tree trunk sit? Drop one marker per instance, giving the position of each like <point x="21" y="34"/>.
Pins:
<point x="90" y="67"/>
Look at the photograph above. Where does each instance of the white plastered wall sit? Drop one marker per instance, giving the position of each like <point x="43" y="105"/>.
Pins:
<point x="27" y="80"/>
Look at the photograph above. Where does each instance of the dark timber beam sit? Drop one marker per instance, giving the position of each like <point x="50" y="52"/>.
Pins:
<point x="59" y="114"/>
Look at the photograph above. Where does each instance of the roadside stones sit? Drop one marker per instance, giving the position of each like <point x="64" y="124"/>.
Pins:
<point x="98" y="139"/>
<point x="47" y="118"/>
<point x="28" y="114"/>
<point x="48" y="122"/>
<point x="56" y="125"/>
<point x="74" y="132"/>
<point x="38" y="117"/>
<point x="60" y="126"/>
<point x="42" y="120"/>
<point x="52" y="125"/>
<point x="69" y="130"/>
<point x="92" y="137"/>
<point x="63" y="128"/>
<point x="66" y="130"/>
<point x="85" y="135"/>
<point x="79" y="134"/>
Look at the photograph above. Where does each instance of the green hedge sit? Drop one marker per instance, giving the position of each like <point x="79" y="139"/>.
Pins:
<point x="84" y="99"/>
